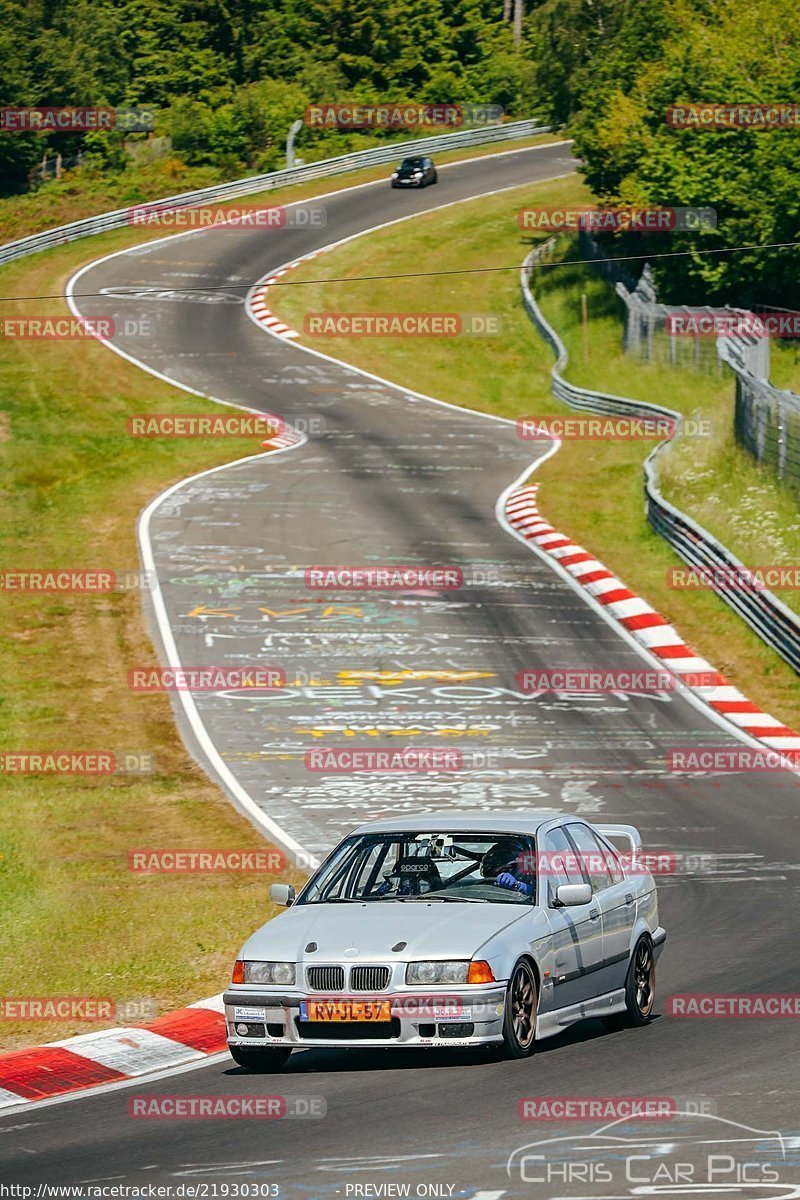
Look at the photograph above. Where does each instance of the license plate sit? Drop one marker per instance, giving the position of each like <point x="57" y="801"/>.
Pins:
<point x="345" y="1010"/>
<point x="449" y="1012"/>
<point x="249" y="1014"/>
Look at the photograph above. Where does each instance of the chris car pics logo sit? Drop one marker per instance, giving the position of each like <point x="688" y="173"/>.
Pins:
<point x="691" y="1151"/>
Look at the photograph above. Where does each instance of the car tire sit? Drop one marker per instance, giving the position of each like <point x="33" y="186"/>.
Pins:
<point x="519" y="1020"/>
<point x="640" y="984"/>
<point x="435" y="178"/>
<point x="262" y="1060"/>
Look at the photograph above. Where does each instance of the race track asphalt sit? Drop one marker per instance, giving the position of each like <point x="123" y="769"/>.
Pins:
<point x="387" y="477"/>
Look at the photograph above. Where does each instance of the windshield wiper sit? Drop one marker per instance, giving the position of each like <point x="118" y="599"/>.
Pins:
<point x="446" y="899"/>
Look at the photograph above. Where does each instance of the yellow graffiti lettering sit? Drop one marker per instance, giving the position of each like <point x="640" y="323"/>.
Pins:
<point x="353" y="678"/>
<point x="201" y="611"/>
<point x="277" y="613"/>
<point x="321" y="731"/>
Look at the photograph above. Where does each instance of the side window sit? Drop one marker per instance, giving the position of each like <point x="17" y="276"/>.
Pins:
<point x="558" y="863"/>
<point x="377" y="863"/>
<point x="593" y="856"/>
<point x="612" y="861"/>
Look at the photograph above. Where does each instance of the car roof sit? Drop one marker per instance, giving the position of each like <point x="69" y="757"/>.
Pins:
<point x="476" y="821"/>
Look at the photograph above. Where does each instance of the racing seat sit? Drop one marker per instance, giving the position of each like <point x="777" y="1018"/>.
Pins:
<point x="416" y="876"/>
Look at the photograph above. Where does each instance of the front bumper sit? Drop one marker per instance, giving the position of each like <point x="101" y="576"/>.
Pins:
<point x="464" y="1017"/>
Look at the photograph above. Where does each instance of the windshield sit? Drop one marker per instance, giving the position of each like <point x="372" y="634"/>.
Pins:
<point x="412" y="866"/>
<point x="415" y="163"/>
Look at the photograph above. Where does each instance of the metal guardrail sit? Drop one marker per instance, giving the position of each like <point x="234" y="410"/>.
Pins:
<point x="774" y="623"/>
<point x="120" y="217"/>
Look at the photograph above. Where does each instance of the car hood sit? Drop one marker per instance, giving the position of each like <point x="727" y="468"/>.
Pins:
<point x="433" y="930"/>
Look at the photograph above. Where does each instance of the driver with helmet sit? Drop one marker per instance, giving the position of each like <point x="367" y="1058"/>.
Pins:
<point x="509" y="864"/>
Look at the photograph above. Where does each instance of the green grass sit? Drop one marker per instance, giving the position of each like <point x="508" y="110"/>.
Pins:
<point x="785" y="365"/>
<point x="592" y="490"/>
<point x="709" y="477"/>
<point x="74" y="918"/>
<point x="81" y="194"/>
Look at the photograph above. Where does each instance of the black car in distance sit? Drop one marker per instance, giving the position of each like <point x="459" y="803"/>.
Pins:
<point x="414" y="172"/>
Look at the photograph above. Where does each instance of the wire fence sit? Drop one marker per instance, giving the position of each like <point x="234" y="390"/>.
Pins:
<point x="774" y="623"/>
<point x="661" y="333"/>
<point x="767" y="424"/>
<point x="766" y="418"/>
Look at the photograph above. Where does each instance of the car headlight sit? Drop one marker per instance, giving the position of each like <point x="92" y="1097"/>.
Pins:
<point x="394" y="174"/>
<point x="437" y="972"/>
<point x="269" y="972"/>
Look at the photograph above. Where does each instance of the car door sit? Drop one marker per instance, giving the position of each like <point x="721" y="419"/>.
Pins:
<point x="577" y="931"/>
<point x="617" y="900"/>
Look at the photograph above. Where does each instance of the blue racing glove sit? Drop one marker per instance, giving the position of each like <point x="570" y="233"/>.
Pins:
<point x="507" y="880"/>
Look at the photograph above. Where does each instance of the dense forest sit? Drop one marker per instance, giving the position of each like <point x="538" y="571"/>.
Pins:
<point x="227" y="77"/>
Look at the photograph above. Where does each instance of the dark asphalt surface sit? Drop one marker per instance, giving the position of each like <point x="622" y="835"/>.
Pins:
<point x="390" y="478"/>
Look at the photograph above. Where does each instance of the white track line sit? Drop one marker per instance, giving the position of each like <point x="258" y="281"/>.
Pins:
<point x="698" y="702"/>
<point x="242" y="797"/>
<point x="244" y="800"/>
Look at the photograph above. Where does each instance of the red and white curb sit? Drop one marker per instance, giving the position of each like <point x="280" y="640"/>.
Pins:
<point x="111" y="1055"/>
<point x="257" y="301"/>
<point x="644" y="623"/>
<point x="288" y="437"/>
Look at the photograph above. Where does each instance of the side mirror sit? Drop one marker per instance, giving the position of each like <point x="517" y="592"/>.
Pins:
<point x="570" y="894"/>
<point x="282" y="893"/>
